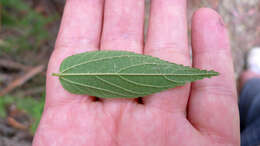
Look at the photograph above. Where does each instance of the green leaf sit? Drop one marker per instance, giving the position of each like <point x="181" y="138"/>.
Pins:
<point x="121" y="74"/>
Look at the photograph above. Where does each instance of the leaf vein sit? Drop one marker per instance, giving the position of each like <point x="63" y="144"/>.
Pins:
<point x="93" y="87"/>
<point x="129" y="91"/>
<point x="96" y="60"/>
<point x="140" y="84"/>
<point x="171" y="80"/>
<point x="137" y="65"/>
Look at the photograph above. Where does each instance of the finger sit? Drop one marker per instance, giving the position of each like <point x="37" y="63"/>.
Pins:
<point x="167" y="39"/>
<point x="213" y="103"/>
<point x="81" y="25"/>
<point x="123" y="29"/>
<point x="123" y="25"/>
<point x="79" y="31"/>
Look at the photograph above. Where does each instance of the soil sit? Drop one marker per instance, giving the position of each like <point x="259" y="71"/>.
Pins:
<point x="10" y="136"/>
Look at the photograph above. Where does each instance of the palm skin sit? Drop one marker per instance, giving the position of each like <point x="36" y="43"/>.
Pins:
<point x="201" y="114"/>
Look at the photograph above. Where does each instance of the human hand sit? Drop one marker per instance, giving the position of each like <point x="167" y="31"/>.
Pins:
<point x="202" y="114"/>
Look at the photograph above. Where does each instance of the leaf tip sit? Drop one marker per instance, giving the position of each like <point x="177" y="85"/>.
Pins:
<point x="213" y="73"/>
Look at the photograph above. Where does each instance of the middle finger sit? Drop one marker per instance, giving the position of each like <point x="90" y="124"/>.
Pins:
<point x="123" y="25"/>
<point x="123" y="28"/>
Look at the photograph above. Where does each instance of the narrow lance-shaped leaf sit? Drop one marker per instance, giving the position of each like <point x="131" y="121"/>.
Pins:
<point x="121" y="74"/>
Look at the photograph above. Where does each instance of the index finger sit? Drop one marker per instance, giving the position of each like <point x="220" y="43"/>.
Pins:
<point x="79" y="31"/>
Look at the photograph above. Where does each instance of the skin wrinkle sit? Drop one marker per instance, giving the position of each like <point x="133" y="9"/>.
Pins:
<point x="210" y="122"/>
<point x="127" y="107"/>
<point x="173" y="55"/>
<point x="214" y="90"/>
<point x="116" y="126"/>
<point x="218" y="139"/>
<point x="165" y="133"/>
<point x="156" y="106"/>
<point x="168" y="46"/>
<point x="214" y="135"/>
<point x="219" y="51"/>
<point x="66" y="101"/>
<point x="132" y="44"/>
<point x="84" y="43"/>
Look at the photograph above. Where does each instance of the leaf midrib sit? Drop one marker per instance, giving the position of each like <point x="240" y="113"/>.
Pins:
<point x="129" y="74"/>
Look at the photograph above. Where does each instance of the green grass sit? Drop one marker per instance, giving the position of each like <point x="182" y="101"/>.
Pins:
<point x="27" y="29"/>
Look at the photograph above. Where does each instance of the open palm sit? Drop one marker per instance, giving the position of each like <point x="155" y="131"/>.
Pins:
<point x="203" y="113"/>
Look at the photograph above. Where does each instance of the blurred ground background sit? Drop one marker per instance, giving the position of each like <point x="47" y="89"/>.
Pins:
<point x="27" y="34"/>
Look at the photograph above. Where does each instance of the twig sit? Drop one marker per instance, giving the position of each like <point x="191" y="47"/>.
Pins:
<point x="11" y="121"/>
<point x="13" y="65"/>
<point x="36" y="90"/>
<point x="21" y="80"/>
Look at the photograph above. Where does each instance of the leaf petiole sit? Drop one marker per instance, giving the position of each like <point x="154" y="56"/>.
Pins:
<point x="56" y="74"/>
